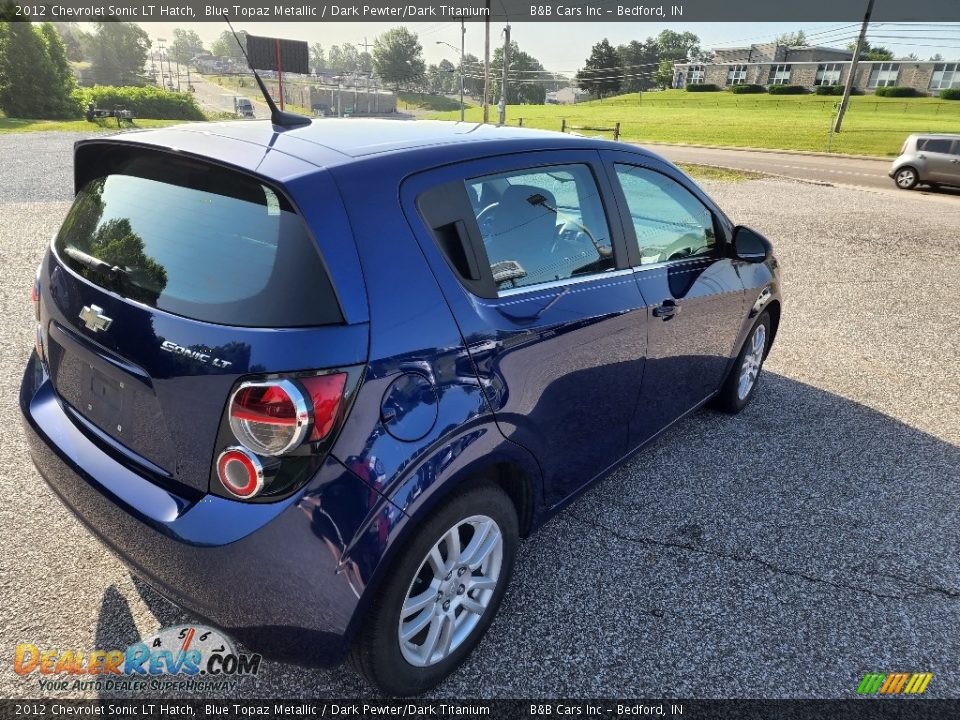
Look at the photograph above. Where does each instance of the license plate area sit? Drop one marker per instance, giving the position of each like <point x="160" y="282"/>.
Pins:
<point x="102" y="401"/>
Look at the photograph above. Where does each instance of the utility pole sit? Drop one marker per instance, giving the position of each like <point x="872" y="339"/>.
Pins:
<point x="463" y="37"/>
<point x="502" y="119"/>
<point x="848" y="88"/>
<point x="486" y="67"/>
<point x="368" y="73"/>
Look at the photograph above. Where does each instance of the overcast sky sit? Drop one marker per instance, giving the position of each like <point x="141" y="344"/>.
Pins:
<point x="562" y="47"/>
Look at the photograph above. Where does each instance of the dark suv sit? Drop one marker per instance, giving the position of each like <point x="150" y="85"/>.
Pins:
<point x="314" y="384"/>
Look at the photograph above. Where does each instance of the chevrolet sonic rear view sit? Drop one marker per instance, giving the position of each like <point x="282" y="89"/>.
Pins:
<point x="314" y="383"/>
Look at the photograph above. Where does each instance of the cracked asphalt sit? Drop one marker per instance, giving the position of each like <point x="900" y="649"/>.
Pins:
<point x="781" y="553"/>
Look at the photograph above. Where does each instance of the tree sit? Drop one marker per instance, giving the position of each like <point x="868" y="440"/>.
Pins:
<point x="185" y="46"/>
<point x="936" y="58"/>
<point x="35" y="79"/>
<point x="601" y="72"/>
<point x="76" y="41"/>
<point x="226" y="46"/>
<point x="793" y="39"/>
<point x="398" y="57"/>
<point x="637" y="60"/>
<point x="678" y="46"/>
<point x="525" y="77"/>
<point x="472" y="75"/>
<point x="344" y="59"/>
<point x="663" y="78"/>
<point x="872" y="52"/>
<point x="119" y="54"/>
<point x="912" y="57"/>
<point x="443" y="78"/>
<point x="318" y="58"/>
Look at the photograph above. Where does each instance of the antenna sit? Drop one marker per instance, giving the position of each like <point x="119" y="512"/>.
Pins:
<point x="277" y="116"/>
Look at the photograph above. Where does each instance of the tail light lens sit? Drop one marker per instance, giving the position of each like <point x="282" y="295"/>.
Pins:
<point x="270" y="418"/>
<point x="35" y="300"/>
<point x="240" y="471"/>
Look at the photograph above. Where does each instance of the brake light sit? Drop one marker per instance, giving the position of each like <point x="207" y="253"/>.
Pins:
<point x="241" y="472"/>
<point x="326" y="395"/>
<point x="35" y="295"/>
<point x="269" y="418"/>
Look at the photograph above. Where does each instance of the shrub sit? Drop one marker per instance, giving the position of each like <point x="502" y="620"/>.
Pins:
<point x="148" y="101"/>
<point x="897" y="91"/>
<point x="950" y="94"/>
<point x="747" y="89"/>
<point x="829" y="90"/>
<point x="787" y="90"/>
<point x="702" y="87"/>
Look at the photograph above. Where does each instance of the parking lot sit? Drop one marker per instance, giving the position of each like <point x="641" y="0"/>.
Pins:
<point x="785" y="552"/>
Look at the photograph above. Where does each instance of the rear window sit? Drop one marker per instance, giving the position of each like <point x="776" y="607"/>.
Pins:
<point x="199" y="241"/>
<point x="935" y="145"/>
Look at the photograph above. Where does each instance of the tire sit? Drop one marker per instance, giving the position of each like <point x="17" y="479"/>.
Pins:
<point x="906" y="178"/>
<point x="409" y="668"/>
<point x="741" y="383"/>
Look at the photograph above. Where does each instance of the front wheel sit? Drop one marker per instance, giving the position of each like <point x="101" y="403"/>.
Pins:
<point x="442" y="595"/>
<point x="742" y="381"/>
<point x="906" y="178"/>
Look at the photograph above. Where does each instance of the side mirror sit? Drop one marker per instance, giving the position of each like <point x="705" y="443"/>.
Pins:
<point x="750" y="246"/>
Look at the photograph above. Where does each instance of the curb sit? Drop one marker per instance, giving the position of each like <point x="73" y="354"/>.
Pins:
<point x="773" y="151"/>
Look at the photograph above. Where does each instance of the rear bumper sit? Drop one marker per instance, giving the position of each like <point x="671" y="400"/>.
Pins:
<point x="274" y="576"/>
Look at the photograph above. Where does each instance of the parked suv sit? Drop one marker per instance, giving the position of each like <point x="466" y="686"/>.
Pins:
<point x="315" y="384"/>
<point x="928" y="159"/>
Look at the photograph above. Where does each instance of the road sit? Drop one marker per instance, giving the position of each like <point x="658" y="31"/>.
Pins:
<point x="836" y="170"/>
<point x="783" y="552"/>
<point x="214" y="98"/>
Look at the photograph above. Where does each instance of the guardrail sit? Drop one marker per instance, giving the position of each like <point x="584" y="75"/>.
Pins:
<point x="591" y="128"/>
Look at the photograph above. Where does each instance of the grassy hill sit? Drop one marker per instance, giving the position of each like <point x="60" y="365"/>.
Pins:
<point x="873" y="125"/>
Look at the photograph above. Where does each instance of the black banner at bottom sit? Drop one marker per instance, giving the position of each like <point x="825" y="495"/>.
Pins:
<point x="905" y="709"/>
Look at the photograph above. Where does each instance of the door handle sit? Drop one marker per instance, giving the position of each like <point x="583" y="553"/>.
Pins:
<point x="666" y="310"/>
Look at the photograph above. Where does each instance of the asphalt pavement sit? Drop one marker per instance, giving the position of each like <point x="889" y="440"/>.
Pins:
<point x="831" y="169"/>
<point x="784" y="552"/>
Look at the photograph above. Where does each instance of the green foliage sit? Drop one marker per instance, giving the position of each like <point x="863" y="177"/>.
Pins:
<point x="226" y="45"/>
<point x="950" y="94"/>
<point x="318" y="57"/>
<point x="747" y="89"/>
<point x="144" y="102"/>
<point x="427" y="101"/>
<point x="793" y="39"/>
<point x="522" y="70"/>
<point x="663" y="78"/>
<point x="601" y="73"/>
<point x="119" y="53"/>
<point x="702" y="87"/>
<point x="185" y="46"/>
<point x="35" y="78"/>
<point x="871" y="52"/>
<point x="397" y="57"/>
<point x="787" y="90"/>
<point x="829" y="90"/>
<point x="897" y="91"/>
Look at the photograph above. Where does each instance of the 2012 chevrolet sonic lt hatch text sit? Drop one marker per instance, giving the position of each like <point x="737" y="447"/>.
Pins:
<point x="314" y="383"/>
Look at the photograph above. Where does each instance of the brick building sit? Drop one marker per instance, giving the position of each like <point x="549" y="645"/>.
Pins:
<point x="772" y="64"/>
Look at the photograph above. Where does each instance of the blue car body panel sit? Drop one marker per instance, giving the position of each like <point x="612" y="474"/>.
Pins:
<point x="544" y="390"/>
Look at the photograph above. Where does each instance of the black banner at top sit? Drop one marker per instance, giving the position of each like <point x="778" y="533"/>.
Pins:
<point x="409" y="11"/>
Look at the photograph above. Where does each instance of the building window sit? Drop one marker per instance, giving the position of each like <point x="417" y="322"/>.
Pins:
<point x="695" y="74"/>
<point x="828" y="74"/>
<point x="884" y="75"/>
<point x="779" y="75"/>
<point x="945" y="76"/>
<point x="736" y="75"/>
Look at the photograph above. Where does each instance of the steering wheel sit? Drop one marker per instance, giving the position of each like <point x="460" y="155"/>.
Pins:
<point x="485" y="220"/>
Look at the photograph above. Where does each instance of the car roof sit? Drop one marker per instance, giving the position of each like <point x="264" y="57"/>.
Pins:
<point x="949" y="136"/>
<point x="331" y="142"/>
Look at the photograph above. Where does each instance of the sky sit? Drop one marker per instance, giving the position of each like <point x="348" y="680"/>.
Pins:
<point x="563" y="47"/>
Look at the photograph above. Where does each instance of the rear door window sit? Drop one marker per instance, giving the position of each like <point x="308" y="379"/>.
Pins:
<point x="934" y="145"/>
<point x="200" y="241"/>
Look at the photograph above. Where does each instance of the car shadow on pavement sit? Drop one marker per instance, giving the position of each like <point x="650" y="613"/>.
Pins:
<point x="777" y="553"/>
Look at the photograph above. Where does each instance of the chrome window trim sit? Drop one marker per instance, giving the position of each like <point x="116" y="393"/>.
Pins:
<point x="554" y="284"/>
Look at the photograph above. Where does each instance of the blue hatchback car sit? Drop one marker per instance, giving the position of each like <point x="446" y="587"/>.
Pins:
<point x="314" y="384"/>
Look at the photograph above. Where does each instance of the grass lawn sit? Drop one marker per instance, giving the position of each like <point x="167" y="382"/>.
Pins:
<point x="13" y="125"/>
<point x="711" y="172"/>
<point x="425" y="101"/>
<point x="873" y="125"/>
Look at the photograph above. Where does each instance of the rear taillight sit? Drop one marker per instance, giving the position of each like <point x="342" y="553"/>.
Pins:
<point x="270" y="418"/>
<point x="280" y="426"/>
<point x="35" y="300"/>
<point x="240" y="471"/>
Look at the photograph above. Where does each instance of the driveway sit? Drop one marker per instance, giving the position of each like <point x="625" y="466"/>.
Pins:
<point x="784" y="552"/>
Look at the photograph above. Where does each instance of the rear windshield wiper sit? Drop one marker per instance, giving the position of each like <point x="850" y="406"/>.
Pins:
<point x="113" y="272"/>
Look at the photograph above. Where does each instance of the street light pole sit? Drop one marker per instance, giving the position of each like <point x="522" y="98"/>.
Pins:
<point x="463" y="31"/>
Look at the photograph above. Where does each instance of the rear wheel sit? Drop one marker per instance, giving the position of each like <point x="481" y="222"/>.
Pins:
<point x="906" y="178"/>
<point x="442" y="595"/>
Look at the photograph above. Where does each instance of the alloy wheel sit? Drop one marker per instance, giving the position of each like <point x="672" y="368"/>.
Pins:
<point x="450" y="591"/>
<point x="752" y="360"/>
<point x="906" y="178"/>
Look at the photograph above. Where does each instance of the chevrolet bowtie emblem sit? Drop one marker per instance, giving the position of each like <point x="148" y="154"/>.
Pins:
<point x="94" y="319"/>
